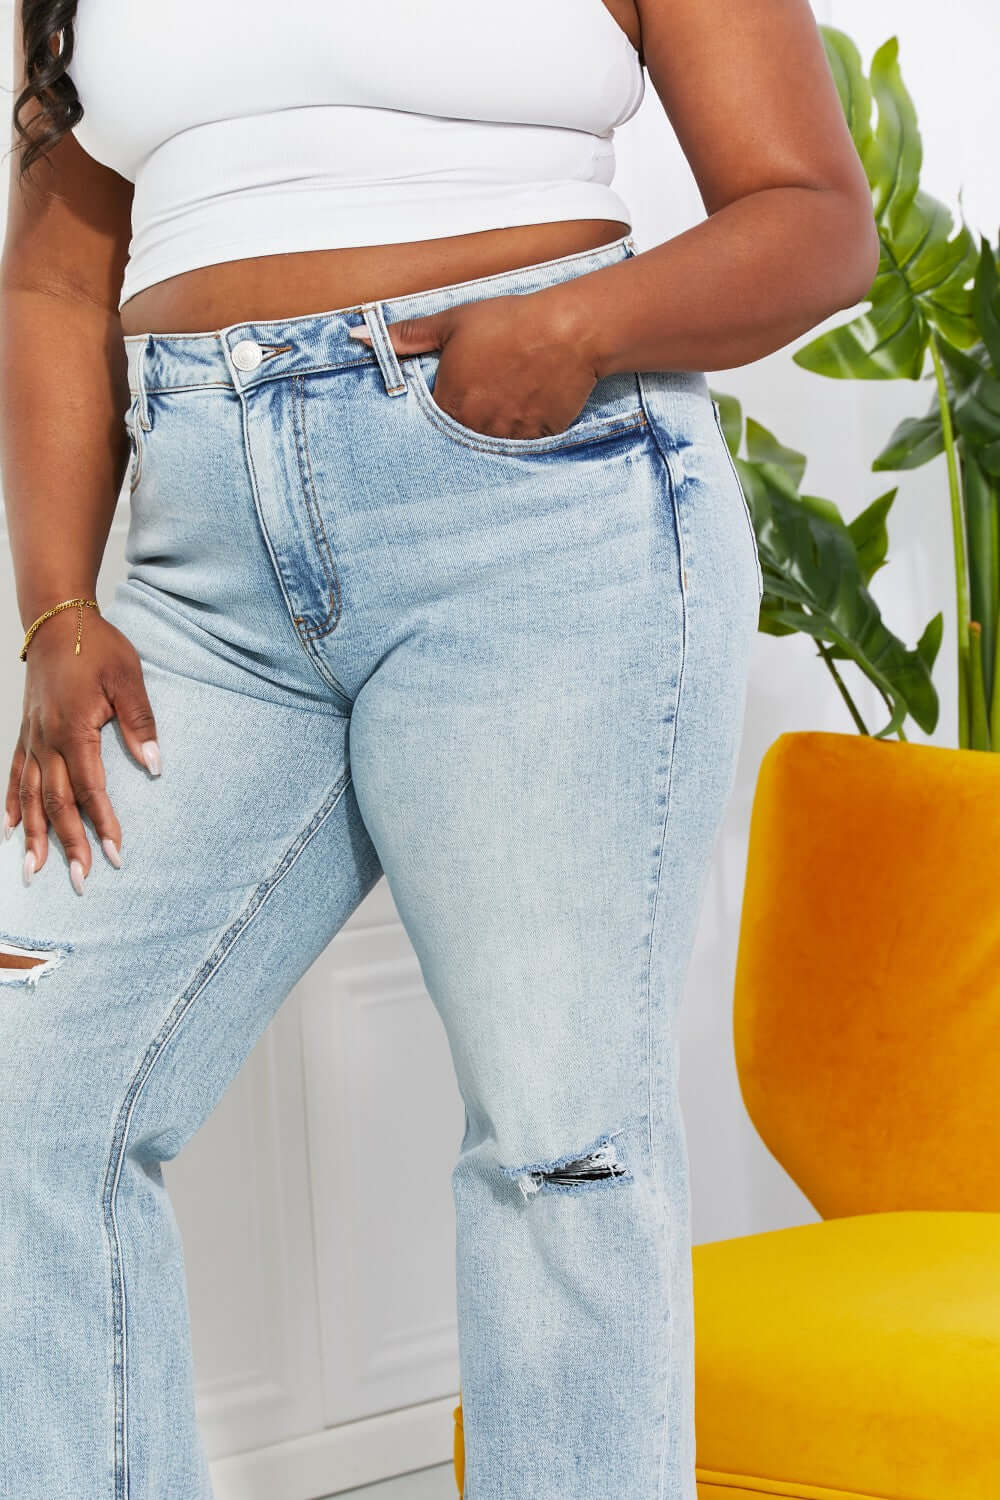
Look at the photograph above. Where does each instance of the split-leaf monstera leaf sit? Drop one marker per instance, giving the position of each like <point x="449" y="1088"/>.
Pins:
<point x="923" y="270"/>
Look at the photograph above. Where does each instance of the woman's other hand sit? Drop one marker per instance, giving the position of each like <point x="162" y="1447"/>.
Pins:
<point x="57" y="774"/>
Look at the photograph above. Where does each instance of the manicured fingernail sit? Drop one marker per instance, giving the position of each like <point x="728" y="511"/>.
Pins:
<point x="7" y="829"/>
<point x="76" y="875"/>
<point x="359" y="333"/>
<point x="111" y="850"/>
<point x="150" y="752"/>
<point x="29" y="866"/>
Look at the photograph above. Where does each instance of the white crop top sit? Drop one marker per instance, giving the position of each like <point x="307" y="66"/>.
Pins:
<point x="253" y="128"/>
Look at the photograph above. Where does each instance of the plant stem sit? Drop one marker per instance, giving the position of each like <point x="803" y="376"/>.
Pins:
<point x="978" y="725"/>
<point x="958" y="539"/>
<point x="852" y="708"/>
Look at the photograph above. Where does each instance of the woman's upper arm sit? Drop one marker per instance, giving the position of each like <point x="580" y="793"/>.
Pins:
<point x="750" y="96"/>
<point x="69" y="222"/>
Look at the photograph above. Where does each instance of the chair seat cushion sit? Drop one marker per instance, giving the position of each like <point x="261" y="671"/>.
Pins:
<point x="854" y="1357"/>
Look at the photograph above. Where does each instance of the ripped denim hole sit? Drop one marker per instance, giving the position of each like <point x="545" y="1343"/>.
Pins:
<point x="596" y="1165"/>
<point x="32" y="963"/>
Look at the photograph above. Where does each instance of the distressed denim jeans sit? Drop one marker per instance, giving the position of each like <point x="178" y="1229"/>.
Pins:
<point x="509" y="674"/>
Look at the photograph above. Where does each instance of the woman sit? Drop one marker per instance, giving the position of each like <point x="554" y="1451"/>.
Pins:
<point x="438" y="566"/>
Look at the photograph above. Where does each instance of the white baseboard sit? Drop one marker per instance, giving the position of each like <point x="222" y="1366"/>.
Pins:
<point x="341" y="1458"/>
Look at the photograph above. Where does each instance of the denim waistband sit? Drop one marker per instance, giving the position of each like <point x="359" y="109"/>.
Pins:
<point x="244" y="354"/>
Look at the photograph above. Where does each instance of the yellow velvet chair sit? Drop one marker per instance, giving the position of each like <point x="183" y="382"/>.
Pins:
<point x="858" y="1358"/>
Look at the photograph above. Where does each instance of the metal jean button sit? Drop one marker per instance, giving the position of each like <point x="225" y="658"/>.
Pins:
<point x="247" y="354"/>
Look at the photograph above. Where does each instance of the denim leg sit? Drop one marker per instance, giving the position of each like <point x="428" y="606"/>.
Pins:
<point x="543" y="762"/>
<point x="238" y="866"/>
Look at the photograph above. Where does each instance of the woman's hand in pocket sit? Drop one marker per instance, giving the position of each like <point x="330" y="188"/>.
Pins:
<point x="57" y="773"/>
<point x="510" y="366"/>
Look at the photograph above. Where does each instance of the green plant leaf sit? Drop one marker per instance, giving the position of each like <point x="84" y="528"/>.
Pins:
<point x="816" y="569"/>
<point x="730" y="418"/>
<point x="826" y="510"/>
<point x="852" y="85"/>
<point x="870" y="535"/>
<point x="894" y="152"/>
<point x="986" y="301"/>
<point x="913" y="441"/>
<point x="974" y="398"/>
<point x="824" y="632"/>
<point x="929" y="643"/>
<point x="922" y="273"/>
<point x="816" y="585"/>
<point x="763" y="448"/>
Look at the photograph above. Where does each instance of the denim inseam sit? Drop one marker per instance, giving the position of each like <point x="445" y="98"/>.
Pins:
<point x="510" y="675"/>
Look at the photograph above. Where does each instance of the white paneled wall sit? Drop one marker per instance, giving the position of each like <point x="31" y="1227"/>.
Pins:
<point x="323" y="1308"/>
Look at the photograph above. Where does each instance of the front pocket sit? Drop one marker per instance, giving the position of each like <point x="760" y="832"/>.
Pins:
<point x="746" y="505"/>
<point x="613" y="407"/>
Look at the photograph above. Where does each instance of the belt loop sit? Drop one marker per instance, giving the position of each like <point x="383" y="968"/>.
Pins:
<point x="388" y="362"/>
<point x="140" y="381"/>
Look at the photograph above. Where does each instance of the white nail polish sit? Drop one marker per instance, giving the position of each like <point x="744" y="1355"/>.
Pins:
<point x="76" y="875"/>
<point x="7" y="829"/>
<point x="29" y="866"/>
<point x="359" y="333"/>
<point x="150" y="752"/>
<point x="111" y="850"/>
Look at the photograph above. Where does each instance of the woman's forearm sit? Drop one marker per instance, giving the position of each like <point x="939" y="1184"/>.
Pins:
<point x="63" y="444"/>
<point x="737" y="286"/>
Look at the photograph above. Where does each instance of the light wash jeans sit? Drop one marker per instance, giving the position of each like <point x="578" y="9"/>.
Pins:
<point x="509" y="674"/>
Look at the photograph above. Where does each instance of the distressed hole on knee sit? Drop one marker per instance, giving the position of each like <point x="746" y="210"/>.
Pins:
<point x="597" y="1165"/>
<point x="21" y="964"/>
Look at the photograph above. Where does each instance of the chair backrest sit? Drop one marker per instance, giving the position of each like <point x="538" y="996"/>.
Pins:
<point x="867" y="996"/>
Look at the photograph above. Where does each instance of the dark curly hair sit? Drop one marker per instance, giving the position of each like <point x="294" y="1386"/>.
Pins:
<point x="46" y="80"/>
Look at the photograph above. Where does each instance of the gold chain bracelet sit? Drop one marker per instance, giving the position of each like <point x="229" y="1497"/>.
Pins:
<point x="66" y="604"/>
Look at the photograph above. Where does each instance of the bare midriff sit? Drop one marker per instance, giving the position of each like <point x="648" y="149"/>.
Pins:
<point x="263" y="287"/>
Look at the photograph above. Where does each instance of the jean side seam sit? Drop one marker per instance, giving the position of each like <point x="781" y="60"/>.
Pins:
<point x="168" y="1029"/>
<point x="664" y="826"/>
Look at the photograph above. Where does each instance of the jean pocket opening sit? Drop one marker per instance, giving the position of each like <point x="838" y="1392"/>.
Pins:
<point x="610" y="410"/>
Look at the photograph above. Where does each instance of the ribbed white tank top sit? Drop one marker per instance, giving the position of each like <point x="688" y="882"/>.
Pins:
<point x="253" y="128"/>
